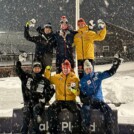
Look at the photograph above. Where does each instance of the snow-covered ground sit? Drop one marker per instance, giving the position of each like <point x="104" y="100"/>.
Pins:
<point x="118" y="89"/>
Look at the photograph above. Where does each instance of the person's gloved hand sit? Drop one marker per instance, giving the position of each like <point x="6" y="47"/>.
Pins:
<point x="38" y="29"/>
<point x="101" y="24"/>
<point x="18" y="63"/>
<point x="72" y="87"/>
<point x="31" y="23"/>
<point x="48" y="67"/>
<point x="117" y="60"/>
<point x="91" y="24"/>
<point x="23" y="56"/>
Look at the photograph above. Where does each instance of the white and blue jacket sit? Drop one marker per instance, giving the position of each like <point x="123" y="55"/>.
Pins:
<point x="91" y="84"/>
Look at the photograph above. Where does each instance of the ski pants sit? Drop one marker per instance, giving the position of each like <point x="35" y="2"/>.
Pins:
<point x="27" y="117"/>
<point x="104" y="108"/>
<point x="37" y="117"/>
<point x="81" y="67"/>
<point x="56" y="108"/>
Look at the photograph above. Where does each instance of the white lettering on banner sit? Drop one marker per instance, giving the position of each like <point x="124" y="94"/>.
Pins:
<point x="66" y="125"/>
<point x="43" y="127"/>
<point x="92" y="127"/>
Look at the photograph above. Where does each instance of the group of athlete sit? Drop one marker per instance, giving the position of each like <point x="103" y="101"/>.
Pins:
<point x="39" y="86"/>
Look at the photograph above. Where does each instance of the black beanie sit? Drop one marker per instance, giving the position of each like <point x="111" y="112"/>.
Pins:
<point x="48" y="25"/>
<point x="37" y="64"/>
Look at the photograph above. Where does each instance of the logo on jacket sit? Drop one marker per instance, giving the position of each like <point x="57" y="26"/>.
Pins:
<point x="88" y="82"/>
<point x="60" y="79"/>
<point x="40" y="87"/>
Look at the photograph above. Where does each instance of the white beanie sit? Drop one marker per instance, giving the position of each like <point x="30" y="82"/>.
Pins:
<point x="87" y="64"/>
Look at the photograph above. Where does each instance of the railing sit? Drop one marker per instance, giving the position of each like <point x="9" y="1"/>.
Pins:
<point x="8" y="61"/>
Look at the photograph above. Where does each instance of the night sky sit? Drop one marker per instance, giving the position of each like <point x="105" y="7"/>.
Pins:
<point x="14" y="13"/>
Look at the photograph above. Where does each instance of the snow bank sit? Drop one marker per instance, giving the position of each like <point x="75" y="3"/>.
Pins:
<point x="118" y="89"/>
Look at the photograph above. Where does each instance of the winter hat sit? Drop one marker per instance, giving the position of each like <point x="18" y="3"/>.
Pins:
<point x="66" y="64"/>
<point x="47" y="25"/>
<point x="87" y="64"/>
<point x="37" y="64"/>
<point x="63" y="19"/>
<point x="81" y="21"/>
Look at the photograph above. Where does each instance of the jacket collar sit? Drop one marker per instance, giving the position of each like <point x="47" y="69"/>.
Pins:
<point x="89" y="75"/>
<point x="85" y="28"/>
<point x="69" y="75"/>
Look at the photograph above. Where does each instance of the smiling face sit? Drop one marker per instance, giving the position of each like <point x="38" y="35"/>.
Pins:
<point x="66" y="70"/>
<point x="47" y="30"/>
<point x="63" y="25"/>
<point x="36" y="69"/>
<point x="88" y="70"/>
<point x="66" y="67"/>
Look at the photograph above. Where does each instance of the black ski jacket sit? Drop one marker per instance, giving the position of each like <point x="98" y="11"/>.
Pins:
<point x="34" y="87"/>
<point x="44" y="42"/>
<point x="64" y="45"/>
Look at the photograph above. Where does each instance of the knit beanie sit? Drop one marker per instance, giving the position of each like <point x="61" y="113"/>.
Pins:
<point x="37" y="64"/>
<point x="63" y="19"/>
<point x="87" y="64"/>
<point x="81" y="20"/>
<point x="47" y="25"/>
<point x="66" y="64"/>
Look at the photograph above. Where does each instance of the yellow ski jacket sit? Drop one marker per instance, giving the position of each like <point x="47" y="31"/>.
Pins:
<point x="84" y="42"/>
<point x="62" y="84"/>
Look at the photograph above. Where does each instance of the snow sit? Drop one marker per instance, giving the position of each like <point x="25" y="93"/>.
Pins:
<point x="117" y="90"/>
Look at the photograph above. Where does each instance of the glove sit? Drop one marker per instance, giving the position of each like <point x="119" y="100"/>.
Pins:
<point x="117" y="60"/>
<point x="18" y="64"/>
<point x="101" y="24"/>
<point x="48" y="67"/>
<point x="38" y="29"/>
<point x="72" y="88"/>
<point x="22" y="57"/>
<point x="91" y="24"/>
<point x="31" y="23"/>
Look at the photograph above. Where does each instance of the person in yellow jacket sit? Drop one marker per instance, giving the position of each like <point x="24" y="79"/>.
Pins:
<point x="66" y="88"/>
<point x="84" y="42"/>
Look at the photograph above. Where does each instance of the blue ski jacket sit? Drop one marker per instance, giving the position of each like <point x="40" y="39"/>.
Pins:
<point x="91" y="84"/>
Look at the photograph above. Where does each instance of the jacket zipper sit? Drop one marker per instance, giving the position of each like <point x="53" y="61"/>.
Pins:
<point x="82" y="47"/>
<point x="65" y="88"/>
<point x="65" y="47"/>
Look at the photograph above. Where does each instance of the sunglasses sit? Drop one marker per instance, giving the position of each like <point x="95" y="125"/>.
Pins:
<point x="61" y="22"/>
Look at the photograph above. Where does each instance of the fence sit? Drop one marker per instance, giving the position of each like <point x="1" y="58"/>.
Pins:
<point x="7" y="62"/>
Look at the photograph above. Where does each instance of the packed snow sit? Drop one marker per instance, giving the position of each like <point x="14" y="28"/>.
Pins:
<point x="118" y="92"/>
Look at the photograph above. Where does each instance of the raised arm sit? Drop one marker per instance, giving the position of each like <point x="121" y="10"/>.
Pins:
<point x="100" y="35"/>
<point x="26" y="31"/>
<point x="47" y="74"/>
<point x="112" y="70"/>
<point x="19" y="70"/>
